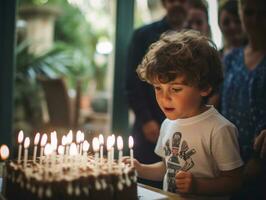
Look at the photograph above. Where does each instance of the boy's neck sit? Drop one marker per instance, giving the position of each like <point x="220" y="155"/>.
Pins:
<point x="200" y="110"/>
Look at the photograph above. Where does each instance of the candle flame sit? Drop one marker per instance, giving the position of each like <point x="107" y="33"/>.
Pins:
<point x="44" y="139"/>
<point x="73" y="149"/>
<point x="20" y="136"/>
<point x="86" y="146"/>
<point x="54" y="144"/>
<point x="113" y="139"/>
<point x="27" y="142"/>
<point x="53" y="135"/>
<point x="130" y="142"/>
<point x="78" y="136"/>
<point x="70" y="137"/>
<point x="119" y="143"/>
<point x="37" y="139"/>
<point x="61" y="150"/>
<point x="4" y="152"/>
<point x="64" y="140"/>
<point x="95" y="144"/>
<point x="109" y="143"/>
<point x="82" y="136"/>
<point x="101" y="139"/>
<point x="48" y="149"/>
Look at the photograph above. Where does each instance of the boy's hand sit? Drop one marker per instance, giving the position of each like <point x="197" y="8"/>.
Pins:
<point x="184" y="182"/>
<point x="136" y="163"/>
<point x="151" y="130"/>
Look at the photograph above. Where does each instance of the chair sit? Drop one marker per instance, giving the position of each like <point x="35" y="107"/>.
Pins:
<point x="62" y="111"/>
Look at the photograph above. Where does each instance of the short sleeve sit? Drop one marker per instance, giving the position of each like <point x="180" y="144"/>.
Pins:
<point x="159" y="149"/>
<point x="225" y="148"/>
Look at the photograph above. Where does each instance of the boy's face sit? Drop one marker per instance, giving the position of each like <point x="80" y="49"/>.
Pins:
<point x="178" y="100"/>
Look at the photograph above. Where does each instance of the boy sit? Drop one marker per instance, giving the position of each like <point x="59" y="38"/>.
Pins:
<point x="198" y="145"/>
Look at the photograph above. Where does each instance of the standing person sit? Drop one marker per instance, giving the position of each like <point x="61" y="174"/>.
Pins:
<point x="197" y="18"/>
<point x="230" y="25"/>
<point x="243" y="93"/>
<point x="141" y="99"/>
<point x="204" y="161"/>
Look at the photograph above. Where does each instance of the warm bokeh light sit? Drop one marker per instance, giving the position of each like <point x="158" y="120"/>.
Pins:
<point x="4" y="152"/>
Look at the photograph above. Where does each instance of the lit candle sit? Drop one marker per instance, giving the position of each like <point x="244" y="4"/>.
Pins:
<point x="82" y="137"/>
<point x="47" y="152"/>
<point x="54" y="147"/>
<point x="86" y="146"/>
<point x="43" y="143"/>
<point x="36" y="141"/>
<point x="20" y="140"/>
<point x="109" y="147"/>
<point x="96" y="148"/>
<point x="26" y="146"/>
<point x="69" y="141"/>
<point x="78" y="139"/>
<point x="101" y="140"/>
<point x="4" y="152"/>
<point x="61" y="151"/>
<point x="64" y="143"/>
<point x="112" y="148"/>
<point x="130" y="145"/>
<point x="73" y="152"/>
<point x="120" y="150"/>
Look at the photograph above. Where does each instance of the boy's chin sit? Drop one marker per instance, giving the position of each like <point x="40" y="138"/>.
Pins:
<point x="172" y="117"/>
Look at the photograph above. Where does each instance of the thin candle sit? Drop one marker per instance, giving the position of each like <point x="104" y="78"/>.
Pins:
<point x="43" y="143"/>
<point x="96" y="148"/>
<point x="36" y="141"/>
<point x="78" y="139"/>
<point x="86" y="146"/>
<point x="61" y="151"/>
<point x="73" y="152"/>
<point x="101" y="140"/>
<point x="108" y="147"/>
<point x="20" y="140"/>
<point x="82" y="136"/>
<point x="130" y="145"/>
<point x="112" y="149"/>
<point x="120" y="150"/>
<point x="26" y="146"/>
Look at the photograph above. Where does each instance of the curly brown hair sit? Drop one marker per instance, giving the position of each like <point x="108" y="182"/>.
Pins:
<point x="186" y="53"/>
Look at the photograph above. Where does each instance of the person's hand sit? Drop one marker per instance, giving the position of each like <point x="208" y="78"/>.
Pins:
<point x="260" y="144"/>
<point x="151" y="130"/>
<point x="136" y="163"/>
<point x="184" y="182"/>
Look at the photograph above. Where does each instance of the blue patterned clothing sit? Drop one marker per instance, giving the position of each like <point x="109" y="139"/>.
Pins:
<point x="244" y="98"/>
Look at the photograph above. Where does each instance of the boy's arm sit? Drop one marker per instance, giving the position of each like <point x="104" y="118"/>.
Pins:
<point x="227" y="183"/>
<point x="155" y="171"/>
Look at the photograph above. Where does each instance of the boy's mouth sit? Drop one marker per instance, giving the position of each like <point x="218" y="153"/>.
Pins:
<point x="168" y="109"/>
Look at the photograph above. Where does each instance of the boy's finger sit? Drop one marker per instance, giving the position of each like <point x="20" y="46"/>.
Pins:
<point x="180" y="175"/>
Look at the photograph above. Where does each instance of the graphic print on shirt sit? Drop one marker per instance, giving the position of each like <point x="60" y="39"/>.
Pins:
<point x="180" y="158"/>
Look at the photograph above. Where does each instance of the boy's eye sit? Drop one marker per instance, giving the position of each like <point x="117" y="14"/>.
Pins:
<point x="157" y="88"/>
<point x="176" y="89"/>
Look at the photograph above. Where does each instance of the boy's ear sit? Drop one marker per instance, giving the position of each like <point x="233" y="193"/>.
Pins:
<point x="206" y="91"/>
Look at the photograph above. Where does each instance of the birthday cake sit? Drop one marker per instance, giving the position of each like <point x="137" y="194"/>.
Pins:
<point x="80" y="180"/>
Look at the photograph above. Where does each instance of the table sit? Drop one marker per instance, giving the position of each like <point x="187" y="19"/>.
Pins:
<point x="163" y="194"/>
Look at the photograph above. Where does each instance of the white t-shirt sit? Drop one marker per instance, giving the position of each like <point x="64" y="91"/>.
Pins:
<point x="203" y="145"/>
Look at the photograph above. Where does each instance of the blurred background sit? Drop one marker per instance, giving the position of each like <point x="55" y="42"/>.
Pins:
<point x="65" y="58"/>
